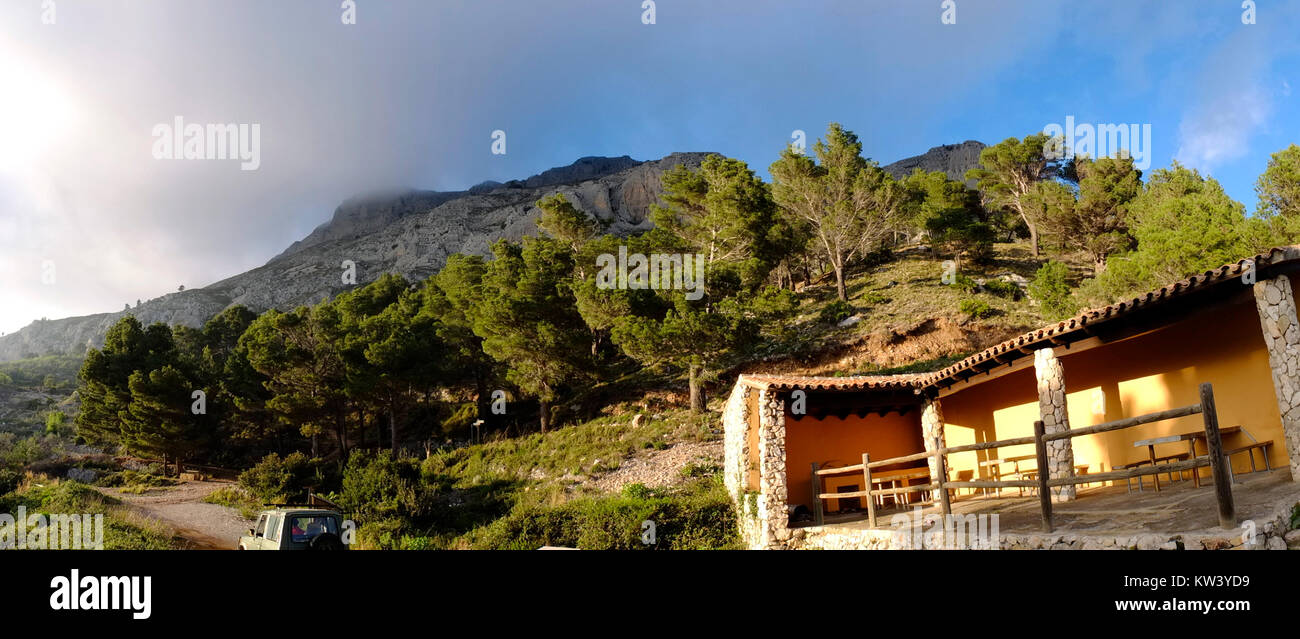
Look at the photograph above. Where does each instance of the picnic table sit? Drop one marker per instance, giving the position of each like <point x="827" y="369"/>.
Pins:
<point x="1191" y="439"/>
<point x="894" y="477"/>
<point x="995" y="468"/>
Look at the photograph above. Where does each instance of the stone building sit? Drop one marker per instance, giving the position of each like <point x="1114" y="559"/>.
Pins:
<point x="1235" y="327"/>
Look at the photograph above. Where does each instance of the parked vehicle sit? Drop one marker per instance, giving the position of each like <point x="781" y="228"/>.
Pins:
<point x="295" y="528"/>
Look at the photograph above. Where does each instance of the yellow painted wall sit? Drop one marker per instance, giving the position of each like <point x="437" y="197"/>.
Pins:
<point x="841" y="442"/>
<point x="1152" y="372"/>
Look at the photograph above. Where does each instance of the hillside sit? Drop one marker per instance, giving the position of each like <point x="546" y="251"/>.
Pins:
<point x="905" y="318"/>
<point x="412" y="233"/>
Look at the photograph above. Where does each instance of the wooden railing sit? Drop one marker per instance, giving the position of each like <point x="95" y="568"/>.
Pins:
<point x="939" y="483"/>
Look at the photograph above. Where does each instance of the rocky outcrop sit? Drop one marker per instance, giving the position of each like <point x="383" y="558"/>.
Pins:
<point x="410" y="233"/>
<point x="952" y="159"/>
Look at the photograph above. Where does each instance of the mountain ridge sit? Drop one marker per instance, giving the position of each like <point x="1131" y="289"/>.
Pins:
<point x="411" y="232"/>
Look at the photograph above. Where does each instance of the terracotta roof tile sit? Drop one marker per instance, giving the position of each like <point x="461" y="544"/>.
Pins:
<point x="855" y="382"/>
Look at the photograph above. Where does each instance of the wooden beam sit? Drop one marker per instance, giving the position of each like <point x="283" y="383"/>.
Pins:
<point x="1218" y="461"/>
<point x="1127" y="422"/>
<point x="1044" y="492"/>
<point x="866" y="483"/>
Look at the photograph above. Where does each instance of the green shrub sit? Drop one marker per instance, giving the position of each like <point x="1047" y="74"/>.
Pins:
<point x="276" y="480"/>
<point x="375" y="485"/>
<point x="974" y="308"/>
<point x="835" y="312"/>
<point x="699" y="517"/>
<point x="882" y="255"/>
<point x="1002" y="289"/>
<point x="636" y="491"/>
<point x="964" y="283"/>
<point x="9" y="480"/>
<point x="873" y="298"/>
<point x="235" y="497"/>
<point x="696" y="470"/>
<point x="1052" y="292"/>
<point x="133" y="481"/>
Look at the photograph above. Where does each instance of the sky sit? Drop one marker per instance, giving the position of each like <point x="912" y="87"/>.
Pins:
<point x="94" y="214"/>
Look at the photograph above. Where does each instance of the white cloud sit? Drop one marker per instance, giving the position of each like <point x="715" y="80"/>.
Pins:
<point x="1231" y="104"/>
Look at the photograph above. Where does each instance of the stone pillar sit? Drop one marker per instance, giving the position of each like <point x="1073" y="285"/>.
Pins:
<point x="1052" y="410"/>
<point x="735" y="446"/>
<point x="932" y="427"/>
<point x="1275" y="302"/>
<point x="772" y="514"/>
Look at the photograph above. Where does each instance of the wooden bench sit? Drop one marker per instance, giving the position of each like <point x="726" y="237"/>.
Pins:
<point x="1250" y="451"/>
<point x="1032" y="474"/>
<point x="1147" y="462"/>
<point x="1128" y="482"/>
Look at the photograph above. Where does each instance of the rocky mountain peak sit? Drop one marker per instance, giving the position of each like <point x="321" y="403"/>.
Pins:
<point x="952" y="159"/>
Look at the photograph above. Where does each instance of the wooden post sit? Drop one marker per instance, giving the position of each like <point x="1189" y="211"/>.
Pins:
<point x="1044" y="493"/>
<point x="866" y="482"/>
<point x="817" y="496"/>
<point x="1218" y="462"/>
<point x="942" y="467"/>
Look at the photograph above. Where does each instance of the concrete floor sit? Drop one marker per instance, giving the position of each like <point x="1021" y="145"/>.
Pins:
<point x="1178" y="508"/>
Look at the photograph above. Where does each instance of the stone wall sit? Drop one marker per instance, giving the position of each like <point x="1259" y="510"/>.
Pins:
<point x="773" y="517"/>
<point x="735" y="441"/>
<point x="1275" y="302"/>
<point x="931" y="428"/>
<point x="1052" y="410"/>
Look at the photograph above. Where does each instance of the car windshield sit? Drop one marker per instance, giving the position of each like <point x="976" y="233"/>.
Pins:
<point x="308" y="528"/>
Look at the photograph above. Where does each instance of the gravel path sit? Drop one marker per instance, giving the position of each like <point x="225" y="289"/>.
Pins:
<point x="659" y="468"/>
<point x="203" y="526"/>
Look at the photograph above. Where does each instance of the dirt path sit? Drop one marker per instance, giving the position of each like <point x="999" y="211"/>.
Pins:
<point x="203" y="526"/>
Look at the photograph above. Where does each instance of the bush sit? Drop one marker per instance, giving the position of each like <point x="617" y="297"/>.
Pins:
<point x="974" y="308"/>
<point x="836" y="312"/>
<point x="1052" y="292"/>
<point x="235" y="497"/>
<point x="873" y="298"/>
<point x="964" y="284"/>
<point x="376" y="485"/>
<point x="133" y="481"/>
<point x="276" y="480"/>
<point x="9" y="480"/>
<point x="636" y="491"/>
<point x="882" y="255"/>
<point x="1002" y="289"/>
<point x="700" y="518"/>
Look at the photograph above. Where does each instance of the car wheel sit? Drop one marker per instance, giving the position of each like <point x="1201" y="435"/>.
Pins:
<point x="326" y="541"/>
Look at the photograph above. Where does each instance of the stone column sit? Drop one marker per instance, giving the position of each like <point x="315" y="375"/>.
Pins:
<point x="1275" y="302"/>
<point x="772" y="514"/>
<point x="735" y="446"/>
<point x="932" y="427"/>
<point x="1052" y="410"/>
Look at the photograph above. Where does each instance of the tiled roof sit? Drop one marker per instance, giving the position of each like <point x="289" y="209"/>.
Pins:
<point x="1074" y="324"/>
<point x="856" y="382"/>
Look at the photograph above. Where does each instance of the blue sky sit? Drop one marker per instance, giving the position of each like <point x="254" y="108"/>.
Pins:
<point x="410" y="94"/>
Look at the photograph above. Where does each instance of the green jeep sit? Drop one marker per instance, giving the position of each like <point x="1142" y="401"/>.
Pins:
<point x="295" y="528"/>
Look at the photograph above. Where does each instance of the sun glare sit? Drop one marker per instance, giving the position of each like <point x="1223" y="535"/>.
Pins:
<point x="36" y="113"/>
